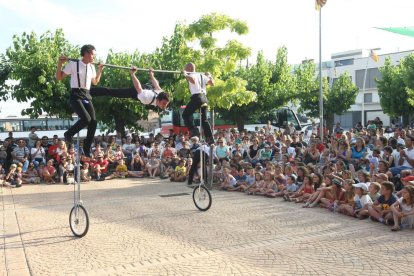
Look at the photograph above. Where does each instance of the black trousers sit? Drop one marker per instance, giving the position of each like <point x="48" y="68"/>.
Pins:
<point x="125" y="93"/>
<point x="195" y="103"/>
<point x="87" y="117"/>
<point x="194" y="166"/>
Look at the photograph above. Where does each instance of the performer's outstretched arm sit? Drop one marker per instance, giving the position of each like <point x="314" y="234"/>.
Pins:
<point x="154" y="81"/>
<point x="135" y="80"/>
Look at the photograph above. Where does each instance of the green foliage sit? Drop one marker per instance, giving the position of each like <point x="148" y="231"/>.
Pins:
<point x="221" y="62"/>
<point x="308" y="88"/>
<point x="5" y="70"/>
<point x="406" y="72"/>
<point x="120" y="113"/>
<point x="341" y="95"/>
<point x="273" y="84"/>
<point x="336" y="99"/>
<point x="32" y="63"/>
<point x="396" y="97"/>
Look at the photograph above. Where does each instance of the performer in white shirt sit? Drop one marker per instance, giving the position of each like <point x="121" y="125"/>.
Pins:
<point x="155" y="97"/>
<point x="82" y="74"/>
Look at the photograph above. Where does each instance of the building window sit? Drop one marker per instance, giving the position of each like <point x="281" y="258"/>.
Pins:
<point x="372" y="74"/>
<point x="344" y="62"/>
<point x="368" y="98"/>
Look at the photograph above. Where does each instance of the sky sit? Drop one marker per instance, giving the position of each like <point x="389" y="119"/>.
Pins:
<point x="128" y="25"/>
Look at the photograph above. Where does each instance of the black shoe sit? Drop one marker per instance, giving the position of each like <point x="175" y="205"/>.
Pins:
<point x="68" y="138"/>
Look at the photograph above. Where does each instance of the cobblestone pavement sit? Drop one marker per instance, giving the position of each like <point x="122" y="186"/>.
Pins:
<point x="134" y="231"/>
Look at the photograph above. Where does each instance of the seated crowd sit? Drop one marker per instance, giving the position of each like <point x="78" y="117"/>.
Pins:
<point x="359" y="173"/>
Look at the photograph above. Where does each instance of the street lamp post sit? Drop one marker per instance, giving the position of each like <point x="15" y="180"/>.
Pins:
<point x="320" y="79"/>
<point x="364" y="86"/>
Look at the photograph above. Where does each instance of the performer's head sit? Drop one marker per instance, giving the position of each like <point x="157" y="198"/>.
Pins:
<point x="162" y="100"/>
<point x="88" y="53"/>
<point x="190" y="67"/>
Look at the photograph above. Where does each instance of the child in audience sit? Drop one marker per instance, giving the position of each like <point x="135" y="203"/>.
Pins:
<point x="258" y="184"/>
<point x="179" y="174"/>
<point x="14" y="177"/>
<point x="290" y="188"/>
<point x="31" y="175"/>
<point x="318" y="194"/>
<point x="49" y="172"/>
<point x="85" y="175"/>
<point x="373" y="194"/>
<point x="380" y="210"/>
<point x="153" y="166"/>
<point x="250" y="180"/>
<point x="120" y="172"/>
<point x="70" y="171"/>
<point x="361" y="200"/>
<point x="403" y="209"/>
<point x="330" y="196"/>
<point x="346" y="206"/>
<point x="269" y="185"/>
<point x="304" y="192"/>
<point x="62" y="169"/>
<point x="229" y="182"/>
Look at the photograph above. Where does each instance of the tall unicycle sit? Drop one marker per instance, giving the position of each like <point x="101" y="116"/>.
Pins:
<point x="201" y="195"/>
<point x="78" y="217"/>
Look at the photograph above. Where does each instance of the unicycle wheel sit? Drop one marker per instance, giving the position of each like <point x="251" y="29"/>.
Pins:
<point x="79" y="221"/>
<point x="202" y="198"/>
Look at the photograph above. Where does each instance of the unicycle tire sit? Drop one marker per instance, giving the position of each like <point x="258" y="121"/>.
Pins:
<point x="202" y="198"/>
<point x="79" y="221"/>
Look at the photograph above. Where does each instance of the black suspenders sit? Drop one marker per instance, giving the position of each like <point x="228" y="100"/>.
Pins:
<point x="77" y="72"/>
<point x="155" y="96"/>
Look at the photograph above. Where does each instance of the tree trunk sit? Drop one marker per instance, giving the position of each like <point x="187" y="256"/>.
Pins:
<point x="329" y="119"/>
<point x="119" y="124"/>
<point x="405" y="120"/>
<point x="240" y="123"/>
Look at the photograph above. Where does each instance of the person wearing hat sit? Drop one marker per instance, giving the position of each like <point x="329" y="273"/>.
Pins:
<point x="361" y="199"/>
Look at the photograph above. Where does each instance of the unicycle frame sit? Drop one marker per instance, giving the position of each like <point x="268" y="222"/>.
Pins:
<point x="76" y="191"/>
<point x="77" y="201"/>
<point x="201" y="188"/>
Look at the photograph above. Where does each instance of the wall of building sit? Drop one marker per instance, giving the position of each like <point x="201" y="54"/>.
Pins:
<point x="358" y="63"/>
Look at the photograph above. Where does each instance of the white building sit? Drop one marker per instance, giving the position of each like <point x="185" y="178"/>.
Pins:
<point x="357" y="63"/>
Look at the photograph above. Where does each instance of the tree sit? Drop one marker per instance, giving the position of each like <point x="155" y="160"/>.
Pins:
<point x="273" y="84"/>
<point x="337" y="99"/>
<point x="118" y="114"/>
<point x="229" y="90"/>
<point x="31" y="61"/>
<point x="393" y="91"/>
<point x="341" y="96"/>
<point x="307" y="87"/>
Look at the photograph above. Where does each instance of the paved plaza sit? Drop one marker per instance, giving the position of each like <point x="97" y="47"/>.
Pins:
<point x="135" y="231"/>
